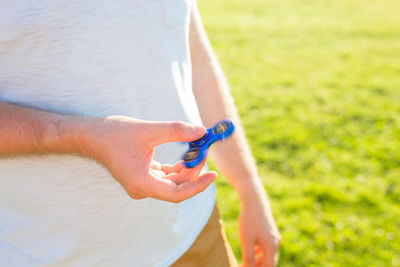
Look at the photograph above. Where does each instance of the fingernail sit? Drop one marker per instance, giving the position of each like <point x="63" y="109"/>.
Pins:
<point x="216" y="175"/>
<point x="199" y="130"/>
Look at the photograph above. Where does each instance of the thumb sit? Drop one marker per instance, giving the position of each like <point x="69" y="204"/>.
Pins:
<point x="159" y="133"/>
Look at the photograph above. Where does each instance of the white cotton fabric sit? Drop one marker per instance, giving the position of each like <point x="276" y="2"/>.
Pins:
<point x="94" y="58"/>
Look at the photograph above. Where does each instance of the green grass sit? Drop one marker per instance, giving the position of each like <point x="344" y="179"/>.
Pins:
<point x="317" y="84"/>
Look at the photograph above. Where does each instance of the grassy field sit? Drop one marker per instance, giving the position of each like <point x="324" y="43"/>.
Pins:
<point x="317" y="83"/>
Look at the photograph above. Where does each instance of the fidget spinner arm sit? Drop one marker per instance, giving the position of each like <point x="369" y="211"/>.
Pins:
<point x="198" y="149"/>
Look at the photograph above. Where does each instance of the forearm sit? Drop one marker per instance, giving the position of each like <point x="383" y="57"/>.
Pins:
<point x="123" y="145"/>
<point x="30" y="131"/>
<point x="233" y="156"/>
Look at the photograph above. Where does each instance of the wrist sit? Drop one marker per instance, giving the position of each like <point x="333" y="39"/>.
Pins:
<point x="253" y="196"/>
<point x="68" y="134"/>
<point x="250" y="189"/>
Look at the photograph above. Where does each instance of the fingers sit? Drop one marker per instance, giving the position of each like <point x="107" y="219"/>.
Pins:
<point x="155" y="165"/>
<point x="259" y="259"/>
<point x="194" y="172"/>
<point x="158" y="133"/>
<point x="169" y="168"/>
<point x="189" y="189"/>
<point x="167" y="190"/>
<point x="248" y="254"/>
<point x="185" y="174"/>
<point x="269" y="252"/>
<point x="268" y="249"/>
<point x="257" y="249"/>
<point x="276" y="258"/>
<point x="258" y="256"/>
<point x="158" y="173"/>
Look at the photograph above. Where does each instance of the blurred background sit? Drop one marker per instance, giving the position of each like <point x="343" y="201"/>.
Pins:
<point x="317" y="84"/>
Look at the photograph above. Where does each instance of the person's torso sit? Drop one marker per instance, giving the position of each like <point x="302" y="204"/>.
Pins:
<point x="94" y="58"/>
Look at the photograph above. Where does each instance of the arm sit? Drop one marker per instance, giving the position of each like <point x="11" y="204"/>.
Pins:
<point x="258" y="232"/>
<point x="123" y="145"/>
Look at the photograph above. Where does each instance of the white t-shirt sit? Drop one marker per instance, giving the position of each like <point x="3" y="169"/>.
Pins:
<point x="94" y="58"/>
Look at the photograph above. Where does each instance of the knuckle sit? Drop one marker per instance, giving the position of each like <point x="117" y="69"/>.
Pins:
<point x="248" y="259"/>
<point x="132" y="190"/>
<point x="248" y="256"/>
<point x="278" y="241"/>
<point x="201" y="189"/>
<point x="178" y="127"/>
<point x="133" y="193"/>
<point x="134" y="196"/>
<point x="177" y="200"/>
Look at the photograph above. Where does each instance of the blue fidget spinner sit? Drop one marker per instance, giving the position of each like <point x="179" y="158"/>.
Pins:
<point x="198" y="149"/>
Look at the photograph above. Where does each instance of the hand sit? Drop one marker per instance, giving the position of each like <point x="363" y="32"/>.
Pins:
<point x="258" y="232"/>
<point x="125" y="147"/>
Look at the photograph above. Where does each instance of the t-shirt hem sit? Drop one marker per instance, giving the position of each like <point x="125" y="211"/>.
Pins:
<point x="190" y="242"/>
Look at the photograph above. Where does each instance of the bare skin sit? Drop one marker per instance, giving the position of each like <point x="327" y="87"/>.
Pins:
<point x="125" y="146"/>
<point x="121" y="144"/>
<point x="259" y="235"/>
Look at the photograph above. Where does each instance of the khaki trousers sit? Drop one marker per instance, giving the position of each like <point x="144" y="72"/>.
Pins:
<point x="211" y="248"/>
